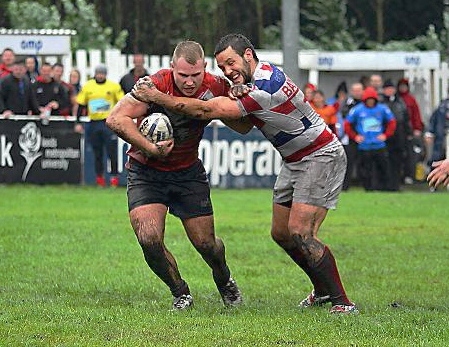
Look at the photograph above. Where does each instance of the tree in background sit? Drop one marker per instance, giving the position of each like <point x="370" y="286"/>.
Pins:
<point x="155" y="26"/>
<point x="80" y="16"/>
<point x="387" y="20"/>
<point x="327" y="24"/>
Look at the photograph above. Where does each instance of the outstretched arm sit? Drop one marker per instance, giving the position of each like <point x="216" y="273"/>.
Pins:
<point x="219" y="107"/>
<point x="121" y="121"/>
<point x="440" y="173"/>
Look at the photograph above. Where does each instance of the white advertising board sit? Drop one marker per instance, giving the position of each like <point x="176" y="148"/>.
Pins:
<point x="30" y="44"/>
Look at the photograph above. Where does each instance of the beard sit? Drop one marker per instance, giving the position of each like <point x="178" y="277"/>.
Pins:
<point x="246" y="72"/>
<point x="100" y="80"/>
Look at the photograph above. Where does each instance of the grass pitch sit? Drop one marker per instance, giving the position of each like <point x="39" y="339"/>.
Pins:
<point x="72" y="273"/>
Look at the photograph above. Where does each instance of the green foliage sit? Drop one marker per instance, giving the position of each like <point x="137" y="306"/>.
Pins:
<point x="327" y="28"/>
<point x="80" y="15"/>
<point x="328" y="25"/>
<point x="427" y="42"/>
<point x="73" y="273"/>
<point x="325" y="24"/>
<point x="32" y="15"/>
<point x="272" y="38"/>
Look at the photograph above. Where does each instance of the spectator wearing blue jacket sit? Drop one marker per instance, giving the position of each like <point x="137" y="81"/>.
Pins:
<point x="436" y="131"/>
<point x="369" y="124"/>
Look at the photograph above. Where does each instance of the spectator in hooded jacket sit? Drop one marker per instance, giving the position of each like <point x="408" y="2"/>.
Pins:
<point x="369" y="124"/>
<point x="412" y="106"/>
<point x="127" y="81"/>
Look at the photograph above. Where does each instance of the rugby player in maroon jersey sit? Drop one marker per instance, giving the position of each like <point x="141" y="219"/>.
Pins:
<point x="169" y="177"/>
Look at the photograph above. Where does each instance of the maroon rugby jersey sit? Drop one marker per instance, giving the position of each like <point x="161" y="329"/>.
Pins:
<point x="187" y="132"/>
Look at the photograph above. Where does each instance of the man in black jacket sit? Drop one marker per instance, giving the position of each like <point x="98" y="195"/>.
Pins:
<point x="350" y="146"/>
<point x="16" y="94"/>
<point x="397" y="144"/>
<point x="127" y="82"/>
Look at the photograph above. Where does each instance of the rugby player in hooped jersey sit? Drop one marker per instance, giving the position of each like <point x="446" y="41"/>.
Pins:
<point x="169" y="176"/>
<point x="314" y="162"/>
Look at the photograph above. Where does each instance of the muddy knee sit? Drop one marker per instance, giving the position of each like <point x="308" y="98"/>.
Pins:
<point x="312" y="248"/>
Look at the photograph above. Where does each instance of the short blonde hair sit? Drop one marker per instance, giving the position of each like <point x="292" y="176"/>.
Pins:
<point x="191" y="51"/>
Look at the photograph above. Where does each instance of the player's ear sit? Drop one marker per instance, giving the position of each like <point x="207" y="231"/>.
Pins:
<point x="172" y="65"/>
<point x="205" y="64"/>
<point x="248" y="55"/>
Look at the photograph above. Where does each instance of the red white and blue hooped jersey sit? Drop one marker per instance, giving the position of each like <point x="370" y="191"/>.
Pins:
<point x="187" y="132"/>
<point x="276" y="106"/>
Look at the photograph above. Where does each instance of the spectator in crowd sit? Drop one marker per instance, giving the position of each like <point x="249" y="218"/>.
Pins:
<point x="397" y="144"/>
<point x="435" y="134"/>
<point x="75" y="83"/>
<point x="412" y="107"/>
<point x="417" y="126"/>
<point x="127" y="81"/>
<point x="180" y="172"/>
<point x="67" y="108"/>
<point x="341" y="94"/>
<point x="327" y="112"/>
<point x="337" y="100"/>
<point x="32" y="68"/>
<point x="51" y="95"/>
<point x="97" y="97"/>
<point x="350" y="146"/>
<point x="365" y="81"/>
<point x="313" y="165"/>
<point x="16" y="94"/>
<point x="308" y="89"/>
<point x="376" y="82"/>
<point x="7" y="61"/>
<point x="75" y="80"/>
<point x="369" y="124"/>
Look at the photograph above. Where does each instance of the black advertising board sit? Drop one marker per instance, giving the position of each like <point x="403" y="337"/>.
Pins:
<point x="35" y="153"/>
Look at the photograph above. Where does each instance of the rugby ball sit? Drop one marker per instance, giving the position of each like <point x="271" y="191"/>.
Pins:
<point x="156" y="127"/>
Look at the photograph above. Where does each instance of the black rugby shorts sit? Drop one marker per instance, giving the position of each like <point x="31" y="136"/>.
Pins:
<point x="186" y="193"/>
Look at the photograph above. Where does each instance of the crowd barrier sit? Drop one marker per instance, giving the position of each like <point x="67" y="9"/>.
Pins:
<point x="33" y="152"/>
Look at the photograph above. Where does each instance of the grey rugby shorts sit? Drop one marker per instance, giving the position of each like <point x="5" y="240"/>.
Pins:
<point x="186" y="193"/>
<point x="315" y="180"/>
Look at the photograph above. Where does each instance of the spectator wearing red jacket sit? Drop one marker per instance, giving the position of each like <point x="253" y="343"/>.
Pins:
<point x="8" y="59"/>
<point x="417" y="126"/>
<point x="412" y="106"/>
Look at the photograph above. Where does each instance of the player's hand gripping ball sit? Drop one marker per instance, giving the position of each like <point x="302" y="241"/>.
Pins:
<point x="156" y="127"/>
